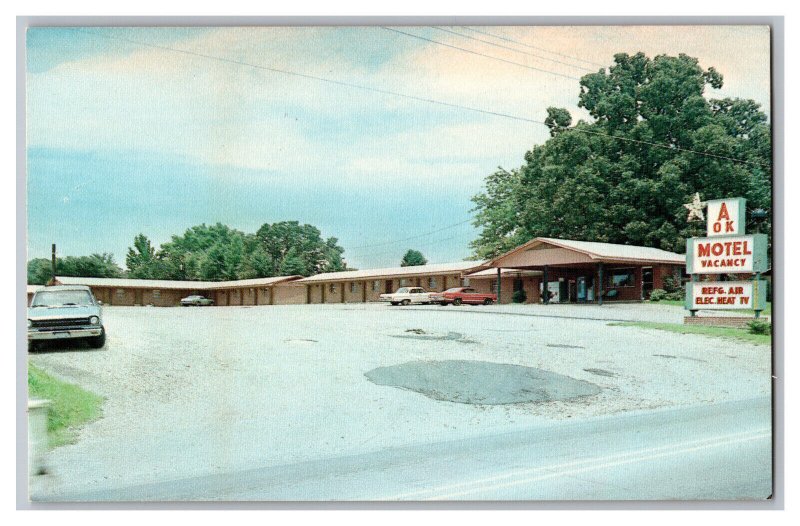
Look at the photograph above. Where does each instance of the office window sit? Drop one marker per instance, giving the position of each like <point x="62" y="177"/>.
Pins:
<point x="621" y="277"/>
<point x="353" y="287"/>
<point x="156" y="293"/>
<point x="431" y="283"/>
<point x="376" y="285"/>
<point x="403" y="282"/>
<point x="120" y="292"/>
<point x="332" y="288"/>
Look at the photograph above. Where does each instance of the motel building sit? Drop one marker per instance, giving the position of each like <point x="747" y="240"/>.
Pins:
<point x="570" y="271"/>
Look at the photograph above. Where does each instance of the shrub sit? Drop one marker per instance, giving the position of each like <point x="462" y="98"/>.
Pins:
<point x="672" y="283"/>
<point x="658" y="295"/>
<point x="759" y="327"/>
<point x="519" y="296"/>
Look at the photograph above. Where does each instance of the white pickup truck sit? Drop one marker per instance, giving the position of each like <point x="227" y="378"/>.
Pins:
<point x="407" y="296"/>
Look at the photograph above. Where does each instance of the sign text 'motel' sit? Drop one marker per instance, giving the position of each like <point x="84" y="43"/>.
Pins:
<point x="727" y="255"/>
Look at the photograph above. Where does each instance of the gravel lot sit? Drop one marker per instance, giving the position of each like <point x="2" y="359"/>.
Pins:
<point x="212" y="390"/>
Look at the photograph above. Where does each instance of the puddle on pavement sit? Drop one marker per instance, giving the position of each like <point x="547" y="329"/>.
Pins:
<point x="481" y="383"/>
<point x="419" y="334"/>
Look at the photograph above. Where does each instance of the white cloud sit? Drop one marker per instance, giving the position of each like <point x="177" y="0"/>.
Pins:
<point x="214" y="112"/>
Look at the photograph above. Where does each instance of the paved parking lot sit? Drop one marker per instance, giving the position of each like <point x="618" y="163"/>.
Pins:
<point x="213" y="390"/>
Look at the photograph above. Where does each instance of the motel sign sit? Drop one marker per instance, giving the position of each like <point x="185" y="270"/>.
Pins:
<point x="728" y="295"/>
<point x="727" y="255"/>
<point x="726" y="250"/>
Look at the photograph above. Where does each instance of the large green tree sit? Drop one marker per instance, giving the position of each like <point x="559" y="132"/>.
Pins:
<point x="654" y="140"/>
<point x="413" y="258"/>
<point x="218" y="252"/>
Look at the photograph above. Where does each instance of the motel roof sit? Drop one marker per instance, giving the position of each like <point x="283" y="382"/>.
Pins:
<point x="534" y="253"/>
<point x="163" y="284"/>
<point x="378" y="273"/>
<point x="492" y="273"/>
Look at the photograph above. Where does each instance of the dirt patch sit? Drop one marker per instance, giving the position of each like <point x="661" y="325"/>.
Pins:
<point x="601" y="372"/>
<point x="481" y="383"/>
<point x="419" y="334"/>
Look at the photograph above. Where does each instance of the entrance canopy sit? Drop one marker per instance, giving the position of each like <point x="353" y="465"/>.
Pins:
<point x="549" y="252"/>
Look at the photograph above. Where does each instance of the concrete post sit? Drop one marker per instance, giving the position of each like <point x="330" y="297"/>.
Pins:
<point x="37" y="436"/>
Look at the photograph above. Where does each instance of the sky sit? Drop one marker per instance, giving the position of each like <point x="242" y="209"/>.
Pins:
<point x="154" y="130"/>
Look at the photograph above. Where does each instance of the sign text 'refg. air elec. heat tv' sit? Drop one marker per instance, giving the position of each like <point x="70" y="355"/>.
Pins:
<point x="726" y="295"/>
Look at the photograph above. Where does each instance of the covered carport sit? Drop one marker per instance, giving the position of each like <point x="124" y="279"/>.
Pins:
<point x="591" y="272"/>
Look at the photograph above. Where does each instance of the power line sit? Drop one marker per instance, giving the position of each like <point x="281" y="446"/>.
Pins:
<point x="413" y="237"/>
<point x="513" y="49"/>
<point x="416" y="98"/>
<point x="533" y="47"/>
<point x="482" y="54"/>
<point x="400" y="250"/>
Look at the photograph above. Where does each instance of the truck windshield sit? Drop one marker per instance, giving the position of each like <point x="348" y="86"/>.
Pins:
<point x="61" y="298"/>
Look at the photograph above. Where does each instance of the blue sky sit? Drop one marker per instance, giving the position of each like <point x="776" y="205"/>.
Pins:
<point x="125" y="138"/>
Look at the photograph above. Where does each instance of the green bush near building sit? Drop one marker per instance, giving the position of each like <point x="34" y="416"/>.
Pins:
<point x="519" y="296"/>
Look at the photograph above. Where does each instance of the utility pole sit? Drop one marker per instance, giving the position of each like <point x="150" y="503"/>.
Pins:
<point x="53" y="264"/>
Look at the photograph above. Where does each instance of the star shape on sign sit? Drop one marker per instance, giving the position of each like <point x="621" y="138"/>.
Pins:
<point x="695" y="208"/>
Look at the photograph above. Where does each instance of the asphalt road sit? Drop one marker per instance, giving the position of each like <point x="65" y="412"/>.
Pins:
<point x="719" y="452"/>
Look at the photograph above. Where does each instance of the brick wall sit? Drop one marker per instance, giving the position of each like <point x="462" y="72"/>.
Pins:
<point x="289" y="294"/>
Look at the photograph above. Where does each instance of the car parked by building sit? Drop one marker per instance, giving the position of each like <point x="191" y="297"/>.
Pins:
<point x="459" y="295"/>
<point x="65" y="312"/>
<point x="196" y="301"/>
<point x="407" y="296"/>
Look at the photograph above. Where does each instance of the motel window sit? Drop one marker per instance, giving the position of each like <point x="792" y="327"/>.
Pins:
<point x="332" y="288"/>
<point x="353" y="286"/>
<point x="623" y="277"/>
<point x="120" y="292"/>
<point x="431" y="283"/>
<point x="493" y="285"/>
<point x="156" y="293"/>
<point x="376" y="285"/>
<point x="403" y="282"/>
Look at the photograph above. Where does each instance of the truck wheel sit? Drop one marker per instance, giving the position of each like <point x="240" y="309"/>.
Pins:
<point x="443" y="303"/>
<point x="487" y="301"/>
<point x="97" y="342"/>
<point x="457" y="302"/>
<point x="393" y="303"/>
<point x="405" y="303"/>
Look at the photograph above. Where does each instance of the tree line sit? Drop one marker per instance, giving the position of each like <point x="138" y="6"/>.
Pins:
<point x="210" y="253"/>
<point x="654" y="140"/>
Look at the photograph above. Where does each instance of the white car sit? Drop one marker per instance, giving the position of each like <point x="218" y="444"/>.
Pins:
<point x="407" y="296"/>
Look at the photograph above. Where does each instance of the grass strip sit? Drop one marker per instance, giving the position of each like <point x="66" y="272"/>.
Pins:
<point x="744" y="312"/>
<point x="714" y="332"/>
<point x="70" y="406"/>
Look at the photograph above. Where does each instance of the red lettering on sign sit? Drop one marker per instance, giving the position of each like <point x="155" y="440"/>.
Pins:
<point x="723" y="213"/>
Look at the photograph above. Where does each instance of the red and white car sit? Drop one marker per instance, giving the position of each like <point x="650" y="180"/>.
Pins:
<point x="459" y="295"/>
